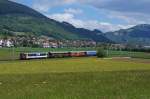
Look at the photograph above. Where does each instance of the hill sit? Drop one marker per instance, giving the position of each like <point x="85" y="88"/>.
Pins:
<point x="17" y="19"/>
<point x="139" y="34"/>
<point x="96" y="35"/>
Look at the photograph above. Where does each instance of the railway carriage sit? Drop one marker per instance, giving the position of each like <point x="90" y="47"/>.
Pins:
<point x="25" y="56"/>
<point x="58" y="54"/>
<point x="91" y="53"/>
<point x="78" y="54"/>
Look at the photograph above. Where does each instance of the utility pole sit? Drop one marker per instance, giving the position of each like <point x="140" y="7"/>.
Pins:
<point x="13" y="52"/>
<point x="107" y="49"/>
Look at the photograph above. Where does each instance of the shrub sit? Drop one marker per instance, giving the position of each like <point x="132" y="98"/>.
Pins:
<point x="101" y="53"/>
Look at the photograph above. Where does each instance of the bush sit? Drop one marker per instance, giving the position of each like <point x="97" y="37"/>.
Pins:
<point x="101" y="53"/>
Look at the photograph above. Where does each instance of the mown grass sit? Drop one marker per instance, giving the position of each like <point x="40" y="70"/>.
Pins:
<point x="70" y="65"/>
<point x="88" y="85"/>
<point x="142" y="55"/>
<point x="74" y="78"/>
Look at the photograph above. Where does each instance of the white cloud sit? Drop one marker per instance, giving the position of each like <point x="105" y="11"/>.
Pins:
<point x="61" y="17"/>
<point x="73" y="11"/>
<point x="69" y="1"/>
<point x="45" y="5"/>
<point x="88" y="24"/>
<point x="131" y="11"/>
<point x="130" y="18"/>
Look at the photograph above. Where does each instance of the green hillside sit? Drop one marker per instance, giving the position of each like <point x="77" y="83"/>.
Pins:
<point x="27" y="25"/>
<point x="17" y="19"/>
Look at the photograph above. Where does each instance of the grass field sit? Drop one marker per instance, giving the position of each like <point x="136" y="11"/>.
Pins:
<point x="13" y="53"/>
<point x="142" y="55"/>
<point x="75" y="78"/>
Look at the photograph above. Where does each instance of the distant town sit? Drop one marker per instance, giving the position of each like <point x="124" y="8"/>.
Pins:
<point x="45" y="42"/>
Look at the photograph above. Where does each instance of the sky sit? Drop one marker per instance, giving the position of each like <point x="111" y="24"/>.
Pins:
<point x="105" y="15"/>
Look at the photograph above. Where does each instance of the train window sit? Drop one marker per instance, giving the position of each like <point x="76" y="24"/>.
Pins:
<point x="43" y="54"/>
<point x="31" y="54"/>
<point x="37" y="54"/>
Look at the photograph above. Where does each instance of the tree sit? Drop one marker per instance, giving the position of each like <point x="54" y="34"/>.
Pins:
<point x="101" y="53"/>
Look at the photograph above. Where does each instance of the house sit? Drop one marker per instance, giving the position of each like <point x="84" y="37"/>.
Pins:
<point x="54" y="45"/>
<point x="46" y="45"/>
<point x="6" y="43"/>
<point x="147" y="47"/>
<point x="1" y="43"/>
<point x="9" y="43"/>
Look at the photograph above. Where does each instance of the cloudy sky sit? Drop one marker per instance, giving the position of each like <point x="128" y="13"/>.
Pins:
<point x="106" y="15"/>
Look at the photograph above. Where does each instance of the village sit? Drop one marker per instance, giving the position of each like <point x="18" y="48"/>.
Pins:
<point x="44" y="42"/>
<point x="6" y="43"/>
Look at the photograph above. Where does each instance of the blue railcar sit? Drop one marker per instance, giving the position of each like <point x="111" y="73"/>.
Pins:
<point x="91" y="53"/>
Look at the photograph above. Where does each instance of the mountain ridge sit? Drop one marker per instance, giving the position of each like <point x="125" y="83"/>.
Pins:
<point x="19" y="18"/>
<point x="139" y="34"/>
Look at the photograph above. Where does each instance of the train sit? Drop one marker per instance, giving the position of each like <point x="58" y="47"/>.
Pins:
<point x="65" y="54"/>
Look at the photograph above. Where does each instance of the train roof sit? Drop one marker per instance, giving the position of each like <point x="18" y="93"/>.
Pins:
<point x="57" y="52"/>
<point x="60" y="52"/>
<point x="35" y="53"/>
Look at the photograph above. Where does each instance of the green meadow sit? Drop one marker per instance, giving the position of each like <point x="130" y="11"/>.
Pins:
<point x="75" y="78"/>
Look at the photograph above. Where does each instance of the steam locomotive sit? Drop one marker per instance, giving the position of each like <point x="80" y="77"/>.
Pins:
<point x="45" y="55"/>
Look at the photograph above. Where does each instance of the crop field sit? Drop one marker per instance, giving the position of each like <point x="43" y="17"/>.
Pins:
<point x="75" y="78"/>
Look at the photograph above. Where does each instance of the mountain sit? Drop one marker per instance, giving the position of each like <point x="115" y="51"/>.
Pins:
<point x="139" y="34"/>
<point x="8" y="7"/>
<point x="17" y="19"/>
<point x="97" y="35"/>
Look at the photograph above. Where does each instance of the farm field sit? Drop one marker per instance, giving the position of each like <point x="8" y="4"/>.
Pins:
<point x="75" y="78"/>
<point x="13" y="53"/>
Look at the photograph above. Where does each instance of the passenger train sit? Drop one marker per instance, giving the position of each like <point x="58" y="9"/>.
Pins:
<point x="44" y="55"/>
